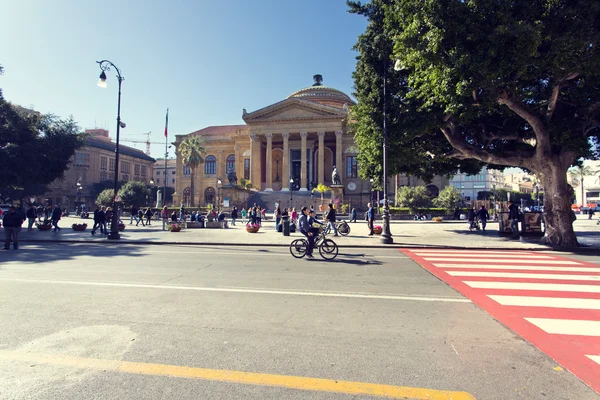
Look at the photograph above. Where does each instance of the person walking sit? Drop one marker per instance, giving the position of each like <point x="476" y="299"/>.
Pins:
<point x="134" y="212"/>
<point x="259" y="216"/>
<point x="47" y="212"/>
<point x="244" y="214"/>
<point x="294" y="216"/>
<point x="353" y="215"/>
<point x="234" y="215"/>
<point x="148" y="215"/>
<point x="513" y="216"/>
<point x="12" y="222"/>
<point x="277" y="216"/>
<point x="40" y="212"/>
<point x="31" y="214"/>
<point x="97" y="220"/>
<point x="182" y="212"/>
<point x="483" y="216"/>
<point x="140" y="217"/>
<point x="370" y="218"/>
<point x="471" y="218"/>
<point x="330" y="218"/>
<point x="56" y="215"/>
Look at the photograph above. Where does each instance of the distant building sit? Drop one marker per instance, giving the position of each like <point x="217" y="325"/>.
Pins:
<point x="94" y="163"/>
<point x="159" y="176"/>
<point x="487" y="180"/>
<point x="591" y="185"/>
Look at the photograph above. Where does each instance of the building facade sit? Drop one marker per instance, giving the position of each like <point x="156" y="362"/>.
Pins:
<point x="294" y="143"/>
<point x="165" y="177"/>
<point x="95" y="163"/>
<point x="487" y="180"/>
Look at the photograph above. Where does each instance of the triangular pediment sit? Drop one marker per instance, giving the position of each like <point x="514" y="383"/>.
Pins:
<point x="292" y="110"/>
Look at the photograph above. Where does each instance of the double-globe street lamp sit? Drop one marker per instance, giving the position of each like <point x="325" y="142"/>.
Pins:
<point x="219" y="183"/>
<point x="106" y="65"/>
<point x="386" y="234"/>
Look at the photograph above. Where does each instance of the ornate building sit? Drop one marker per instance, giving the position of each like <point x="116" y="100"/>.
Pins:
<point x="294" y="143"/>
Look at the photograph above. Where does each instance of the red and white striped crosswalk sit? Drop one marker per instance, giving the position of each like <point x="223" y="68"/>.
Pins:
<point x="551" y="301"/>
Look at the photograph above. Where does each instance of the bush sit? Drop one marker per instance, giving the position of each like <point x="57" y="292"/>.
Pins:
<point x="414" y="198"/>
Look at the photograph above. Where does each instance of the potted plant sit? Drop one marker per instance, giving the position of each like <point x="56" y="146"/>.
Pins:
<point x="44" y="226"/>
<point x="121" y="226"/>
<point x="252" y="228"/>
<point x="175" y="227"/>
<point x="377" y="229"/>
<point x="79" y="227"/>
<point x="437" y="219"/>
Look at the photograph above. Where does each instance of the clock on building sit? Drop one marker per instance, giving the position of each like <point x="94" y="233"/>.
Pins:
<point x="351" y="186"/>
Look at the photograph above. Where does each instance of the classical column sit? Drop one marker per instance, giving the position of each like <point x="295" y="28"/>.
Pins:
<point x="255" y="162"/>
<point x="339" y="163"/>
<point x="303" y="167"/>
<point x="239" y="163"/>
<point x="321" y="159"/>
<point x="285" y="166"/>
<point x="221" y="166"/>
<point x="269" y="162"/>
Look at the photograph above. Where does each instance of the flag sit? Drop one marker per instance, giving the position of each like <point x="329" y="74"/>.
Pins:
<point x="167" y="123"/>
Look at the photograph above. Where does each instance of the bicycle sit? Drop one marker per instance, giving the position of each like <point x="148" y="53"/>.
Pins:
<point x="342" y="228"/>
<point x="328" y="249"/>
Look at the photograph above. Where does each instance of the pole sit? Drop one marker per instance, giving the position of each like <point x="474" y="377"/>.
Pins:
<point x="166" y="155"/>
<point x="114" y="228"/>
<point x="386" y="235"/>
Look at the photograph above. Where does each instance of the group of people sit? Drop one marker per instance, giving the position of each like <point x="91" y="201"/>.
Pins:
<point x="138" y="215"/>
<point x="102" y="220"/>
<point x="13" y="219"/>
<point x="482" y="216"/>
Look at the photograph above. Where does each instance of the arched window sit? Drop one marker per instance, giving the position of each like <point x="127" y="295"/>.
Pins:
<point x="210" y="165"/>
<point x="230" y="163"/>
<point x="187" y="170"/>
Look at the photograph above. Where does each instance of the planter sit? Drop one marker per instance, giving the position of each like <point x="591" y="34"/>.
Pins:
<point x="44" y="227"/>
<point x="175" y="228"/>
<point x="121" y="227"/>
<point x="79" y="227"/>
<point x="252" y="230"/>
<point x="437" y="219"/>
<point x="377" y="231"/>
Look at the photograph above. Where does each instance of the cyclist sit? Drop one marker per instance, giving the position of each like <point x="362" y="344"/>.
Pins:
<point x="330" y="218"/>
<point x="305" y="229"/>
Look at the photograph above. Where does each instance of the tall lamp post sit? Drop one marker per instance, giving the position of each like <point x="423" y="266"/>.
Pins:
<point x="106" y="65"/>
<point x="291" y="192"/>
<point x="78" y="204"/>
<point x="219" y="182"/>
<point x="386" y="235"/>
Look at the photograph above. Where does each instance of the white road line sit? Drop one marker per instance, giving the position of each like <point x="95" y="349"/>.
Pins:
<point x="560" y="277"/>
<point x="567" y="326"/>
<point x="480" y="252"/>
<point x="491" y="260"/>
<point x="240" y="290"/>
<point x="555" y="287"/>
<point x="596" y="359"/>
<point x="552" y="302"/>
<point x="516" y="267"/>
<point x="483" y="256"/>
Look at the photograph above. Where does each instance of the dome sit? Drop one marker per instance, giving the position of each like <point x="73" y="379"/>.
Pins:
<point x="326" y="95"/>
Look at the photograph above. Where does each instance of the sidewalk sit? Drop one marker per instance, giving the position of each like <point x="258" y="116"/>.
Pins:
<point x="453" y="234"/>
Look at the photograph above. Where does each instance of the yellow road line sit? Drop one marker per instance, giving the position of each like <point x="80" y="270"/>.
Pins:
<point x="251" y="378"/>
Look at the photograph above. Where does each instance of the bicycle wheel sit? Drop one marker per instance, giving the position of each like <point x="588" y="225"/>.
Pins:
<point x="328" y="249"/>
<point x="344" y="229"/>
<point x="298" y="248"/>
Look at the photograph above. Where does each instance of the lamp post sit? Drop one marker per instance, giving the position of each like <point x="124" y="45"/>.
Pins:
<point x="291" y="192"/>
<point x="79" y="189"/>
<point x="219" y="182"/>
<point x="386" y="235"/>
<point x="106" y="65"/>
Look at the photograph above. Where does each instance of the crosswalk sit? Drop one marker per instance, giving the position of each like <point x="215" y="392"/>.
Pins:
<point x="553" y="302"/>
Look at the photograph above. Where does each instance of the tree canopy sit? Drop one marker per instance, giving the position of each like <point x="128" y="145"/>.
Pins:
<point x="449" y="198"/>
<point x="134" y="193"/>
<point x="414" y="198"/>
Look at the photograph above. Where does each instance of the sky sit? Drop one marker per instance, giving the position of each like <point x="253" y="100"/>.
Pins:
<point x="204" y="60"/>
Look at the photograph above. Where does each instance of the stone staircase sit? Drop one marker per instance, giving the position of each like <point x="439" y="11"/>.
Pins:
<point x="297" y="199"/>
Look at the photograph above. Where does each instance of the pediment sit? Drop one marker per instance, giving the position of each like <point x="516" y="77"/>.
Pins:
<point x="294" y="109"/>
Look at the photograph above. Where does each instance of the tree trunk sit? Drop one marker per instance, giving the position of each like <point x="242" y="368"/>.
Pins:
<point x="558" y="215"/>
<point x="583" y="202"/>
<point x="192" y="189"/>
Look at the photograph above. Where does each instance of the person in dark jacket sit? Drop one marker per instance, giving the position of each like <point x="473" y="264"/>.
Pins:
<point x="305" y="229"/>
<point x="149" y="215"/>
<point x="12" y="222"/>
<point x="483" y="216"/>
<point x="330" y="218"/>
<point x="370" y="218"/>
<point x="97" y="222"/>
<point x="40" y="212"/>
<point x="234" y="215"/>
<point x="513" y="216"/>
<point x="56" y="215"/>
<point x="31" y="215"/>
<point x="353" y="215"/>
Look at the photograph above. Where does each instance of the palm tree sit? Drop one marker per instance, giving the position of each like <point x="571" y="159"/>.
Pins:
<point x="578" y="173"/>
<point x="192" y="154"/>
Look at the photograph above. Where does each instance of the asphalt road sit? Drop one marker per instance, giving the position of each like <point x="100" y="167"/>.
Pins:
<point x="163" y="322"/>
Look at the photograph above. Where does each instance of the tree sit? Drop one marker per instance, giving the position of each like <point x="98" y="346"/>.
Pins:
<point x="484" y="195"/>
<point x="509" y="83"/>
<point x="321" y="188"/>
<point x="414" y="198"/>
<point x="577" y="174"/>
<point x="106" y="198"/>
<point x="192" y="154"/>
<point x="134" y="193"/>
<point x="449" y="198"/>
<point x="99" y="187"/>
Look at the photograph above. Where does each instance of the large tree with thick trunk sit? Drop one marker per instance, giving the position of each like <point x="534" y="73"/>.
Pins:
<point x="508" y="83"/>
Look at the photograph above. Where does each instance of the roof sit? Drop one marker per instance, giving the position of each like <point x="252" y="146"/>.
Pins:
<point x="110" y="146"/>
<point x="323" y="94"/>
<point x="219" y="130"/>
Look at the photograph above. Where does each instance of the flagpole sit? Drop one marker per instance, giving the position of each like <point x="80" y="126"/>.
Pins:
<point x="166" y="156"/>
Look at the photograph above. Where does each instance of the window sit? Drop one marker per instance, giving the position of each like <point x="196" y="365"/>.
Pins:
<point x="103" y="176"/>
<point x="125" y="177"/>
<point x="593" y="194"/>
<point x="351" y="167"/>
<point x="111" y="164"/>
<point x="157" y="173"/>
<point x="210" y="165"/>
<point x="230" y="165"/>
<point x="126" y="168"/>
<point x="187" y="170"/>
<point x="136" y="169"/>
<point x="157" y="181"/>
<point x="103" y="163"/>
<point x="82" y="159"/>
<point x="246" y="168"/>
<point x="144" y="171"/>
<point x="173" y="180"/>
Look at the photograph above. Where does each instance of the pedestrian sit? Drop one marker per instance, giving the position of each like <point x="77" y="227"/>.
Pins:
<point x="305" y="229"/>
<point x="244" y="214"/>
<point x="182" y="212"/>
<point x="56" y="215"/>
<point x="97" y="222"/>
<point x="31" y="214"/>
<point x="234" y="215"/>
<point x="148" y="215"/>
<point x="353" y="215"/>
<point x="513" y="216"/>
<point x="140" y="217"/>
<point x="590" y="213"/>
<point x="456" y="214"/>
<point x="174" y="217"/>
<point x="47" y="212"/>
<point x="134" y="212"/>
<point x="483" y="216"/>
<point x="277" y="216"/>
<point x="40" y="212"/>
<point x="370" y="218"/>
<point x="294" y="216"/>
<point x="330" y="218"/>
<point x="108" y="220"/>
<point x="12" y="226"/>
<point x="263" y="215"/>
<point x="471" y="218"/>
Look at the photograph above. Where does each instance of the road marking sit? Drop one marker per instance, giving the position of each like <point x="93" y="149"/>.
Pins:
<point x="525" y="267"/>
<point x="559" y="277"/>
<point x="461" y="252"/>
<point x="567" y="326"/>
<point x="248" y="378"/>
<point x="596" y="359"/>
<point x="552" y="302"/>
<point x="503" y="260"/>
<point x="242" y="290"/>
<point x="478" y="256"/>
<point x="557" y="287"/>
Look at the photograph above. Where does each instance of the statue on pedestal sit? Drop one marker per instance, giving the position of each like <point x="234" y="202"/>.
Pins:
<point x="335" y="177"/>
<point x="232" y="177"/>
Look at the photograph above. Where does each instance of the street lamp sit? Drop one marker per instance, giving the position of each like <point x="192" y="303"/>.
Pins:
<point x="291" y="192"/>
<point x="386" y="235"/>
<point x="106" y="65"/>
<point x="79" y="189"/>
<point x="219" y="182"/>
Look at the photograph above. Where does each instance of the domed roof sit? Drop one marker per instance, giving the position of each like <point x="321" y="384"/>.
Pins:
<point x="319" y="93"/>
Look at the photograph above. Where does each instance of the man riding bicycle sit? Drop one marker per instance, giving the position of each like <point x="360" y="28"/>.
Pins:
<point x="305" y="224"/>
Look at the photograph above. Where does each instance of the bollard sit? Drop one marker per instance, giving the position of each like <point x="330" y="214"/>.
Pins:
<point x="285" y="225"/>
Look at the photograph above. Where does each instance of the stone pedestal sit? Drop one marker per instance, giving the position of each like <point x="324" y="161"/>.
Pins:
<point x="337" y="192"/>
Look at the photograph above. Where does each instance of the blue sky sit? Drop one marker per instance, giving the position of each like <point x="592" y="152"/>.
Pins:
<point x="205" y="60"/>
